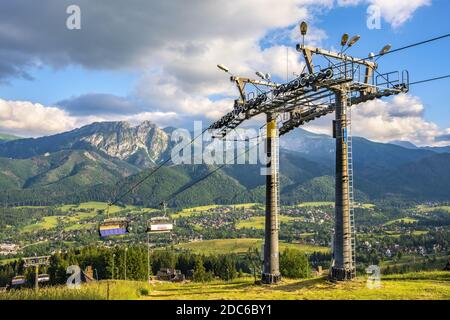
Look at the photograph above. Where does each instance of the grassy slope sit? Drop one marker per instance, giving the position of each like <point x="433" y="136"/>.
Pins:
<point x="257" y="222"/>
<point x="201" y="209"/>
<point x="312" y="289"/>
<point x="404" y="220"/>
<point x="423" y="208"/>
<point x="413" y="286"/>
<point x="241" y="246"/>
<point x="51" y="222"/>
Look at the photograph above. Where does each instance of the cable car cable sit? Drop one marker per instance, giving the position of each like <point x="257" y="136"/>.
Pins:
<point x="174" y="195"/>
<point x="431" y="79"/>
<point x="117" y="199"/>
<point x="399" y="49"/>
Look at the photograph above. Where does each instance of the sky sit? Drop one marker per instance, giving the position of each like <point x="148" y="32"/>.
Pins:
<point x="156" y="60"/>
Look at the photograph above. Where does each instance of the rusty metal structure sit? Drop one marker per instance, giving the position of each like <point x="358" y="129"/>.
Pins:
<point x="337" y="82"/>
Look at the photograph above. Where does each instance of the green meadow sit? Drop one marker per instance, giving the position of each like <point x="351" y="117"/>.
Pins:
<point x="218" y="246"/>
<point x="412" y="286"/>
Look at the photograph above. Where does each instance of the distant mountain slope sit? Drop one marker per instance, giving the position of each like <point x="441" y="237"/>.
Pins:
<point x="427" y="178"/>
<point x="409" y="145"/>
<point x="101" y="160"/>
<point x="366" y="153"/>
<point x="4" y="137"/>
<point x="404" y="144"/>
<point x="66" y="169"/>
<point x="438" y="149"/>
<point x="143" y="145"/>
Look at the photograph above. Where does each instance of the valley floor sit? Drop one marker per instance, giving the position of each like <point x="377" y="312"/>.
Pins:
<point x="412" y="286"/>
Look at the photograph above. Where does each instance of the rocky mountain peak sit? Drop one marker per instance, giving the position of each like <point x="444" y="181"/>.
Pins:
<point x="143" y="144"/>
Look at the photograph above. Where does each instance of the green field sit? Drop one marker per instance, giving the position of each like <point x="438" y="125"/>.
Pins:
<point x="365" y="205"/>
<point x="93" y="206"/>
<point x="258" y="222"/>
<point x="424" y="208"/>
<point x="84" y="226"/>
<point x="76" y="213"/>
<point x="412" y="286"/>
<point x="45" y="224"/>
<point x="219" y="246"/>
<point x="195" y="210"/>
<point x="331" y="204"/>
<point x="404" y="220"/>
<point x="316" y="204"/>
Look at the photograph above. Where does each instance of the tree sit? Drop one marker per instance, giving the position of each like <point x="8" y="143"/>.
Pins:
<point x="163" y="259"/>
<point x="57" y="269"/>
<point x="226" y="268"/>
<point x="200" y="274"/>
<point x="294" y="264"/>
<point x="253" y="258"/>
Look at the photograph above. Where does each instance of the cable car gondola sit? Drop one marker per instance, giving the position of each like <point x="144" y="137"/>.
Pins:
<point x="160" y="224"/>
<point x="43" y="278"/>
<point x="18" y="281"/>
<point x="113" y="227"/>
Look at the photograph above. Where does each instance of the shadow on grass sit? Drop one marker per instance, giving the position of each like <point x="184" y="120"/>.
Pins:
<point x="206" y="285"/>
<point x="305" y="284"/>
<point x="181" y="295"/>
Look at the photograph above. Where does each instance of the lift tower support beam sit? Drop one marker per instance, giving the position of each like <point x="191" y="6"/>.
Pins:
<point x="271" y="269"/>
<point x="306" y="98"/>
<point x="342" y="268"/>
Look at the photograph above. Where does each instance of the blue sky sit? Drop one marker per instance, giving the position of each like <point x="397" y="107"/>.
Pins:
<point x="170" y="76"/>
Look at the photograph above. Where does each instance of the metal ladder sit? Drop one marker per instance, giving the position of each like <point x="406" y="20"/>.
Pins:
<point x="350" y="183"/>
<point x="276" y="153"/>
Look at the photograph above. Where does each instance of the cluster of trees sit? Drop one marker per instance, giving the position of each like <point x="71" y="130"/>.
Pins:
<point x="110" y="263"/>
<point x="428" y="263"/>
<point x="20" y="216"/>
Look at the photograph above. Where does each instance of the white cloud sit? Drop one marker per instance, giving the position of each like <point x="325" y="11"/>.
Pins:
<point x="394" y="12"/>
<point x="29" y="119"/>
<point x="116" y="34"/>
<point x="399" y="118"/>
<point x="186" y="81"/>
<point x="178" y="42"/>
<point x="399" y="11"/>
<point x="345" y="3"/>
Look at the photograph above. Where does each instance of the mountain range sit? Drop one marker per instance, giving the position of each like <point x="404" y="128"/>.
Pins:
<point x="101" y="160"/>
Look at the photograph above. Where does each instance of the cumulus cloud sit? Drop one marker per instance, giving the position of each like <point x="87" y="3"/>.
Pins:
<point x="116" y="34"/>
<point x="177" y="43"/>
<point x="444" y="137"/>
<point x="398" y="12"/>
<point x="345" y="3"/>
<point x="29" y="119"/>
<point x="395" y="12"/>
<point x="399" y="118"/>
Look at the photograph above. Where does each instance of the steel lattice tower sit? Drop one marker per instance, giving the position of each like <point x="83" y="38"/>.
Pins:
<point x="344" y="82"/>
